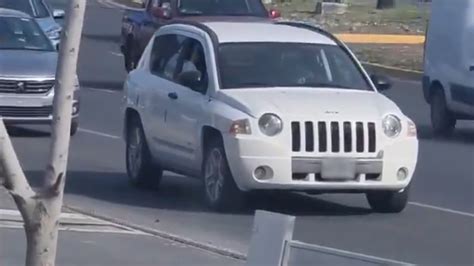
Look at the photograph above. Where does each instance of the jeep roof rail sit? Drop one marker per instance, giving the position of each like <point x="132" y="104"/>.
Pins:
<point x="310" y="27"/>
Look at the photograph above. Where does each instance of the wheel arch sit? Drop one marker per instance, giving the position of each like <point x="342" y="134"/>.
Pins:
<point x="129" y="114"/>
<point x="435" y="85"/>
<point x="209" y="133"/>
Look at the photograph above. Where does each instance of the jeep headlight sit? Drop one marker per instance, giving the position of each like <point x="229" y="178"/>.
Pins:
<point x="392" y="126"/>
<point x="270" y="124"/>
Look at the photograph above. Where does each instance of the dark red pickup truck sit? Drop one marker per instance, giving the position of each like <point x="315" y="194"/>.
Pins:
<point x="138" y="26"/>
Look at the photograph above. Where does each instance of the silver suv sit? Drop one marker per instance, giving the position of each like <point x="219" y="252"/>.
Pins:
<point x="27" y="73"/>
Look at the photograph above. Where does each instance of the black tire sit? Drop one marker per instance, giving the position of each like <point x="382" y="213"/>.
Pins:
<point x="74" y="128"/>
<point x="140" y="168"/>
<point x="229" y="197"/>
<point x="388" y="201"/>
<point x="442" y="120"/>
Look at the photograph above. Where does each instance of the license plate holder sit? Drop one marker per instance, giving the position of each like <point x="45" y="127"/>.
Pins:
<point x="338" y="169"/>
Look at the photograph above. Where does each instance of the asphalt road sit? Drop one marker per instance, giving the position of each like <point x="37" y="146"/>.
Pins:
<point x="436" y="228"/>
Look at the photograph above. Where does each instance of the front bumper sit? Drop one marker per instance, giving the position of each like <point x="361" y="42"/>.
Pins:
<point x="31" y="109"/>
<point x="304" y="173"/>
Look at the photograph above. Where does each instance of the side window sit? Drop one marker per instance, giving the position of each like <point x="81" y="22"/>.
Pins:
<point x="192" y="58"/>
<point x="163" y="58"/>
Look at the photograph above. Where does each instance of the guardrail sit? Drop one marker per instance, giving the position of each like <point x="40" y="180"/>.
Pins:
<point x="272" y="244"/>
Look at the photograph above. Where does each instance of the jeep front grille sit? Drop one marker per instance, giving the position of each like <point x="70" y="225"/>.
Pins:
<point x="25" y="86"/>
<point x="334" y="137"/>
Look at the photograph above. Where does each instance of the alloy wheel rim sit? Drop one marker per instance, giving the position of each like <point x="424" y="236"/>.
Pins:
<point x="134" y="153"/>
<point x="214" y="179"/>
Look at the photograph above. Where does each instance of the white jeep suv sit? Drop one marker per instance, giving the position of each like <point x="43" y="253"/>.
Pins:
<point x="249" y="106"/>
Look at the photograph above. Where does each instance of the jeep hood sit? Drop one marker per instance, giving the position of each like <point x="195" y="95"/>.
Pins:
<point x="314" y="102"/>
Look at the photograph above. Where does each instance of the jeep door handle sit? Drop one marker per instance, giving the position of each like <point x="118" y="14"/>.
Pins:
<point x="173" y="95"/>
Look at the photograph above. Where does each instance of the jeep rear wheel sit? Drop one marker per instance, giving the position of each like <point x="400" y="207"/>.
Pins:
<point x="220" y="190"/>
<point x="140" y="169"/>
<point x="388" y="201"/>
<point x="442" y="121"/>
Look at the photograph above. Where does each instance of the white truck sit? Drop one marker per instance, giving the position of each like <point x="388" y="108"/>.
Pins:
<point x="448" y="81"/>
<point x="265" y="106"/>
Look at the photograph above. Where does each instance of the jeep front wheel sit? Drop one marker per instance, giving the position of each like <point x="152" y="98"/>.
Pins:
<point x="220" y="190"/>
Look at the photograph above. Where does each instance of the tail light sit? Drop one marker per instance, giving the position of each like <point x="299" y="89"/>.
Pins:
<point x="273" y="14"/>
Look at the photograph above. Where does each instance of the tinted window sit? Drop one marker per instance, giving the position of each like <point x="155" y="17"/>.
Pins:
<point x="222" y="7"/>
<point x="22" y="34"/>
<point x="192" y="58"/>
<point x="173" y="54"/>
<point x="164" y="51"/>
<point x="247" y="65"/>
<point x="20" y="5"/>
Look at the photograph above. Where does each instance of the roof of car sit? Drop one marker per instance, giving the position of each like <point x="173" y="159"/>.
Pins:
<point x="6" y="12"/>
<point x="265" y="32"/>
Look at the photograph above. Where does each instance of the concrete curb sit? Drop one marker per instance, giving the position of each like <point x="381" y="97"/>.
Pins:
<point x="396" y="72"/>
<point x="158" y="233"/>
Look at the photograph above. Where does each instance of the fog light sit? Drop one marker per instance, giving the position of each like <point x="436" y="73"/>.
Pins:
<point x="402" y="174"/>
<point x="263" y="173"/>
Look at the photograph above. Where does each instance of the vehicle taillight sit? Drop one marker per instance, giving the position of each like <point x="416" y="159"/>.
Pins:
<point x="273" y="13"/>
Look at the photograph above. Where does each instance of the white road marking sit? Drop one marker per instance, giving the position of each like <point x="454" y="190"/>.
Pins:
<point x="74" y="222"/>
<point x="93" y="132"/>
<point x="102" y="90"/>
<point x="427" y="206"/>
<point x="64" y="215"/>
<point x="116" y="54"/>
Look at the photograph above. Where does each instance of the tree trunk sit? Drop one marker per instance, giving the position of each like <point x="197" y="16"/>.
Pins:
<point x="42" y="232"/>
<point x="384" y="4"/>
<point x="41" y="210"/>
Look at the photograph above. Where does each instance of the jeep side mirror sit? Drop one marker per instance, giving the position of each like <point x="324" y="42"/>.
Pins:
<point x="382" y="83"/>
<point x="190" y="79"/>
<point x="58" y="13"/>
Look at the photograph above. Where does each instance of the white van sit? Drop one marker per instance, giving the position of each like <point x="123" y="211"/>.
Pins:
<point x="448" y="81"/>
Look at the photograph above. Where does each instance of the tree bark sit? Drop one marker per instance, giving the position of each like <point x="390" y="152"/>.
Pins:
<point x="385" y="4"/>
<point x="41" y="209"/>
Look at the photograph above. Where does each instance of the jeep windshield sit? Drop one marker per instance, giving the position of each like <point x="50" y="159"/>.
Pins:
<point x="22" y="34"/>
<point x="271" y="64"/>
<point x="222" y="8"/>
